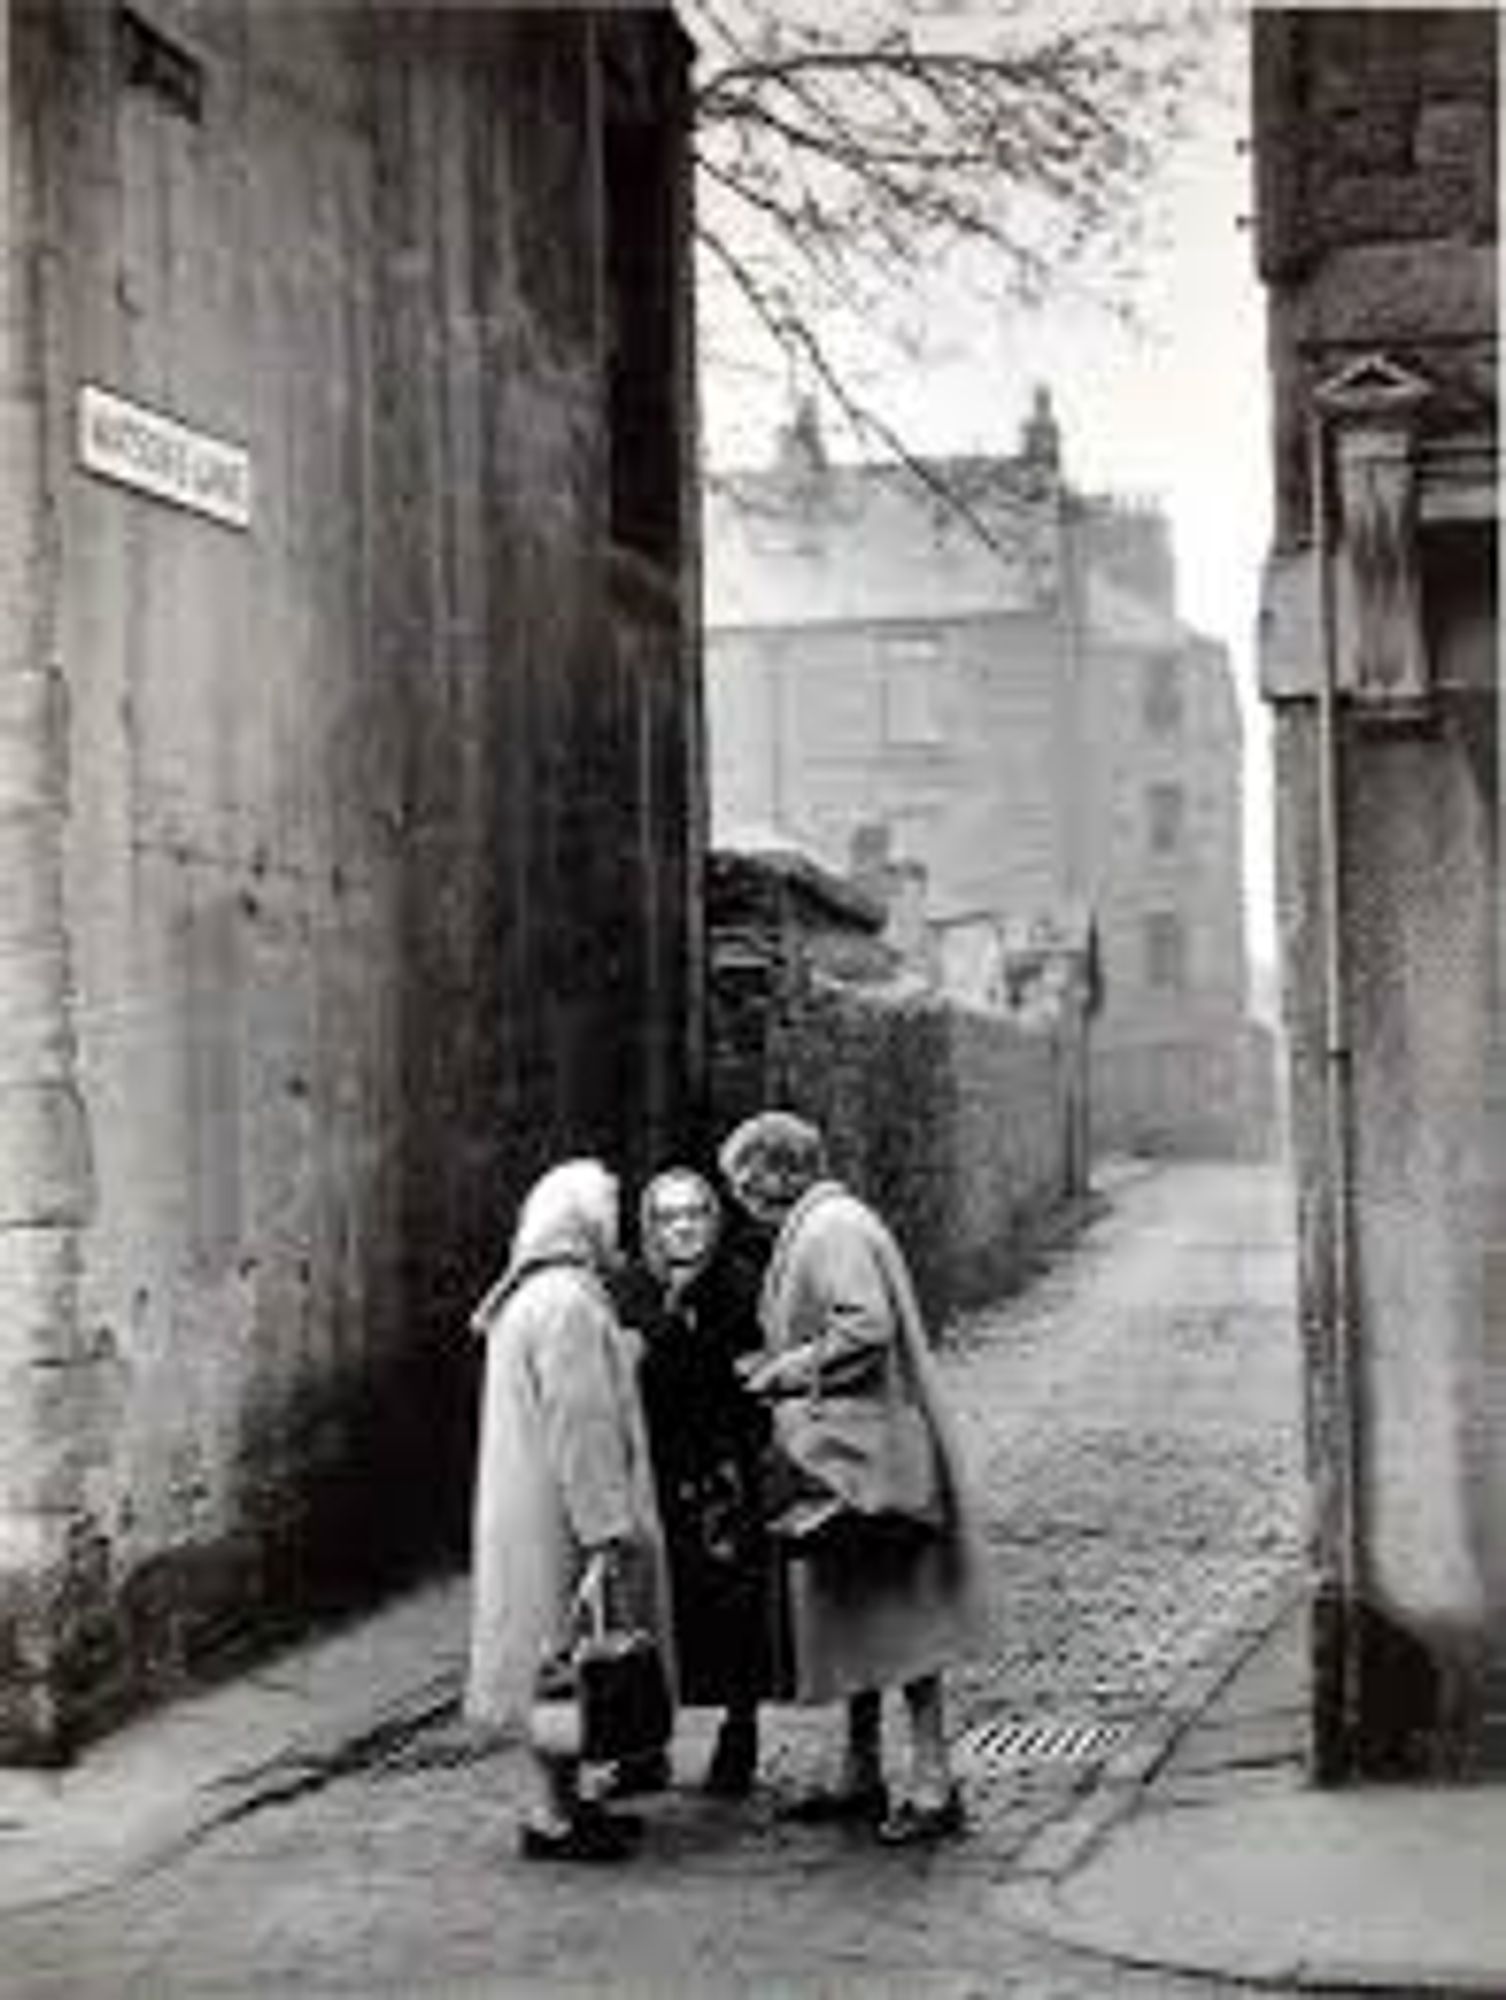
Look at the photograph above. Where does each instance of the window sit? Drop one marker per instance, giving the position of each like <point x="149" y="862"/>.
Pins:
<point x="912" y="690"/>
<point x="1161" y="695"/>
<point x="1165" y="951"/>
<point x="1164" y="814"/>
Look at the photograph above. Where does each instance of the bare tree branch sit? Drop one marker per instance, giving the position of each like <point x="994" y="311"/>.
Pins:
<point x="791" y="330"/>
<point x="842" y="157"/>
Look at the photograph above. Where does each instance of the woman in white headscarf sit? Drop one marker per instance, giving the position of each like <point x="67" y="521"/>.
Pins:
<point x="563" y="1479"/>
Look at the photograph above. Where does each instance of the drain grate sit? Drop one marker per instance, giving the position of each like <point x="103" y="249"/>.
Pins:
<point x="1009" y="1742"/>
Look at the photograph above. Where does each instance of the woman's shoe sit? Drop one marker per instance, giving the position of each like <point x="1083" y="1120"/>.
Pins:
<point x="590" y="1836"/>
<point x="632" y="1776"/>
<point x="912" y="1824"/>
<point x="861" y="1805"/>
<point x="734" y="1761"/>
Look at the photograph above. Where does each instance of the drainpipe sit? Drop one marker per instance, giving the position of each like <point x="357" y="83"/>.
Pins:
<point x="1363" y="436"/>
<point x="1339" y="1530"/>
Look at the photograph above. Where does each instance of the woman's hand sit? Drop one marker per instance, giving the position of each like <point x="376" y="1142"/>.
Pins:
<point x="766" y="1375"/>
<point x="756" y="1372"/>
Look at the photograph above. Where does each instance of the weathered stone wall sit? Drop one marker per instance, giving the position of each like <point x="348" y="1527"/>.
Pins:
<point x="350" y="859"/>
<point x="1375" y="145"/>
<point x="966" y="1129"/>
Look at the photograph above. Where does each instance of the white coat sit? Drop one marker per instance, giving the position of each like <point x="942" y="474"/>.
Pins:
<point x="563" y="1466"/>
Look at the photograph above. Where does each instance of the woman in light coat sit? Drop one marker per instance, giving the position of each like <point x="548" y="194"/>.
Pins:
<point x="874" y="1612"/>
<point x="563" y="1480"/>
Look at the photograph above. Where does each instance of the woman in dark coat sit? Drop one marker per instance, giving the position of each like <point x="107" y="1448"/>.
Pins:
<point x="697" y="1314"/>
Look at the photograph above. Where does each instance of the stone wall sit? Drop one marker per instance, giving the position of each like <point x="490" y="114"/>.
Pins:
<point x="1375" y="136"/>
<point x="968" y="1130"/>
<point x="350" y="861"/>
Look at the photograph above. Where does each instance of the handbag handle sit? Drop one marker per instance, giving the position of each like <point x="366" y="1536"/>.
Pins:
<point x="589" y="1604"/>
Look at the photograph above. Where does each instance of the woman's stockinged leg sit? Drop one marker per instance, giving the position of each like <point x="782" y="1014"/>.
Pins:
<point x="735" y="1758"/>
<point x="930" y="1765"/>
<point x="553" y="1793"/>
<point x="932" y="1808"/>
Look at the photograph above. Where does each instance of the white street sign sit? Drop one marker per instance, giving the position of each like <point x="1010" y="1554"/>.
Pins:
<point x="141" y="448"/>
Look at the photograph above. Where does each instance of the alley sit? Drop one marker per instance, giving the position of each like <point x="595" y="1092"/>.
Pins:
<point x="1134" y="1416"/>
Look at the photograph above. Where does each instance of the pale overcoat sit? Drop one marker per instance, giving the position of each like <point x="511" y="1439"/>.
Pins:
<point x="563" y="1464"/>
<point x="837" y="1285"/>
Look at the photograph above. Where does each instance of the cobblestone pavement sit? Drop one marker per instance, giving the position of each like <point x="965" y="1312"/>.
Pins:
<point x="1134" y="1418"/>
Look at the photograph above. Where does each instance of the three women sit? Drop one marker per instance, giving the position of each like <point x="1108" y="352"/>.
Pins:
<point x="572" y="1479"/>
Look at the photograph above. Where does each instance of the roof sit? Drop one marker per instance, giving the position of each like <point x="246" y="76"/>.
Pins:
<point x="833" y="895"/>
<point x="871" y="543"/>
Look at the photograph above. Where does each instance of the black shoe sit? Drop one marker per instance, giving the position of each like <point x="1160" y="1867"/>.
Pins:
<point x="590" y="1836"/>
<point x="914" y="1825"/>
<point x="632" y="1776"/>
<point x="734" y="1761"/>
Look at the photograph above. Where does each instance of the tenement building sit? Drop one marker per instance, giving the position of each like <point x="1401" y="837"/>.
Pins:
<point x="986" y="669"/>
<point x="1375" y="135"/>
<point x="349" y="769"/>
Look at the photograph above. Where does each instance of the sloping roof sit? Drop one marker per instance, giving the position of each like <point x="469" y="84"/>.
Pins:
<point x="845" y="543"/>
<point x="832" y="895"/>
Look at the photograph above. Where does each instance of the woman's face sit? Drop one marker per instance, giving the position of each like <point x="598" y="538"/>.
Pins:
<point x="759" y="1199"/>
<point x="684" y="1224"/>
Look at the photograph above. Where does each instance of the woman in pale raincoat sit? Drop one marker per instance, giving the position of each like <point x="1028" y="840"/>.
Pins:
<point x="872" y="1610"/>
<point x="563" y="1479"/>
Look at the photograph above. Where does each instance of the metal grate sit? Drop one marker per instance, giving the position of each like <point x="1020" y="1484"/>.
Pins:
<point x="1008" y="1742"/>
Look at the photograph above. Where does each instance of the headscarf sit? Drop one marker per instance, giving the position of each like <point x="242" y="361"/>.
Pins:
<point x="771" y="1159"/>
<point x="569" y="1216"/>
<point x="649" y="1241"/>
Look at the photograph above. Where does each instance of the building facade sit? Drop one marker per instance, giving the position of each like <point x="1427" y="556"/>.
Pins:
<point x="350" y="781"/>
<point x="1375" y="136"/>
<point x="989" y="668"/>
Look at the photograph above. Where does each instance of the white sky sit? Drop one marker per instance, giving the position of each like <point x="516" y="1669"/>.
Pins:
<point x="1177" y="410"/>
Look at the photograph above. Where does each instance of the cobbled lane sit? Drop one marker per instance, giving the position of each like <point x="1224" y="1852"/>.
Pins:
<point x="1133" y="1418"/>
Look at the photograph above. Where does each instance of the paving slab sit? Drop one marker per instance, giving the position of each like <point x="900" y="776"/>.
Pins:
<point x="154" y="1786"/>
<point x="1228" y="1863"/>
<point x="1400" y="1891"/>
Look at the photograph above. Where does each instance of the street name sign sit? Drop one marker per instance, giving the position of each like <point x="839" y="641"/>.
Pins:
<point x="141" y="448"/>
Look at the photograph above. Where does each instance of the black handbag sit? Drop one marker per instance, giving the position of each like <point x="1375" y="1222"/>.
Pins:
<point x="607" y="1697"/>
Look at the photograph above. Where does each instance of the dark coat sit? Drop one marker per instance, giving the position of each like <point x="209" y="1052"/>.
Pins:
<point x="706" y="1437"/>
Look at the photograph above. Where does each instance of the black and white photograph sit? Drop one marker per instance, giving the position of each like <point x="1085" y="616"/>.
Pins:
<point x="752" y="1000"/>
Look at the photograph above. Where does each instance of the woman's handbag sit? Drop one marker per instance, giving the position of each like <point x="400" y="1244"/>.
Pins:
<point x="607" y="1697"/>
<point x="845" y="1465"/>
